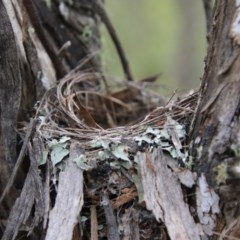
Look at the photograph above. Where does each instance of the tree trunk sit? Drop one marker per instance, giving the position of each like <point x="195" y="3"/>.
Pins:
<point x="215" y="131"/>
<point x="138" y="181"/>
<point x="40" y="41"/>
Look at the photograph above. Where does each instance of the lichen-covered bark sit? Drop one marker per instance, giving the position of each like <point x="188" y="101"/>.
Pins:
<point x="215" y="134"/>
<point x="60" y="29"/>
<point x="164" y="197"/>
<point x="69" y="199"/>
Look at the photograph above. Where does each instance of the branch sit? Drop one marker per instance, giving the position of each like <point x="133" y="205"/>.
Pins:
<point x="19" y="160"/>
<point x="207" y="4"/>
<point x="99" y="9"/>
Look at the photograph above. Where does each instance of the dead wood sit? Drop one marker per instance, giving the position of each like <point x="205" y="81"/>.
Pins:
<point x="116" y="164"/>
<point x="163" y="196"/>
<point x="94" y="223"/>
<point x="69" y="199"/>
<point x="31" y="195"/>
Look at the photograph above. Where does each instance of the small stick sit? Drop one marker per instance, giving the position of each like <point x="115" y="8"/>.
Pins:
<point x="94" y="223"/>
<point x="207" y="4"/>
<point x="99" y="9"/>
<point x="19" y="160"/>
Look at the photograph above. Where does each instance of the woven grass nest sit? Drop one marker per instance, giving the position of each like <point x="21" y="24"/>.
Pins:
<point x="110" y="129"/>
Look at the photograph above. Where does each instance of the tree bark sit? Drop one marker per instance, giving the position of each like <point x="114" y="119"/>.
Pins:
<point x="215" y="131"/>
<point x="39" y="44"/>
<point x="68" y="203"/>
<point x="35" y="54"/>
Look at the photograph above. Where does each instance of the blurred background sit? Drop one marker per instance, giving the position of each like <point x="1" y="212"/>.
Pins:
<point x="159" y="36"/>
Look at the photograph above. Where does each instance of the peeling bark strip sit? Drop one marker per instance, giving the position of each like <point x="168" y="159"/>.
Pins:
<point x="216" y="138"/>
<point x="69" y="199"/>
<point x="19" y="161"/>
<point x="163" y="196"/>
<point x="38" y="26"/>
<point x="31" y="195"/>
<point x="216" y="125"/>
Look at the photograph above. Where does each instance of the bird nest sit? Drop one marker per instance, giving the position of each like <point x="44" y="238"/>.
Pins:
<point x="98" y="154"/>
<point x="76" y="110"/>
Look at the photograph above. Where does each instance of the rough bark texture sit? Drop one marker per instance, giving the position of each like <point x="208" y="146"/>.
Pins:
<point x="10" y="98"/>
<point x="216" y="138"/>
<point x="31" y="195"/>
<point x="65" y="22"/>
<point x="10" y="86"/>
<point x="163" y="196"/>
<point x="69" y="199"/>
<point x="33" y="61"/>
<point x="38" y="45"/>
